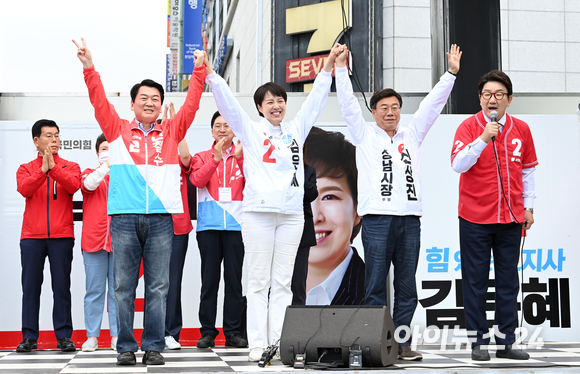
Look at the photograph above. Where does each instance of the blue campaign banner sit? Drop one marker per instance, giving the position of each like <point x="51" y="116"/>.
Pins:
<point x="168" y="73"/>
<point x="192" y="38"/>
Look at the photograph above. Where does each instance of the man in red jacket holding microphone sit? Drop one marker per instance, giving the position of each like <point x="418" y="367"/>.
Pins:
<point x="495" y="154"/>
<point x="48" y="183"/>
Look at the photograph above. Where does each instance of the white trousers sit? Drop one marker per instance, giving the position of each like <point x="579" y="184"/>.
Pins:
<point x="271" y="242"/>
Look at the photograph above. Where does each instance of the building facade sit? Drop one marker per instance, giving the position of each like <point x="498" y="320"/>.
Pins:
<point x="540" y="42"/>
<point x="232" y="28"/>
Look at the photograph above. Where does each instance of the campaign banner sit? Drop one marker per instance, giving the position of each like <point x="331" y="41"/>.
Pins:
<point x="192" y="32"/>
<point x="547" y="306"/>
<point x="174" y="6"/>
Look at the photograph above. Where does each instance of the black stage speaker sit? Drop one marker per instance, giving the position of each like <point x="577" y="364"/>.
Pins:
<point x="336" y="330"/>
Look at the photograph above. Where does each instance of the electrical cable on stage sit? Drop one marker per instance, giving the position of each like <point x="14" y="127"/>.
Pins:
<point x="524" y="234"/>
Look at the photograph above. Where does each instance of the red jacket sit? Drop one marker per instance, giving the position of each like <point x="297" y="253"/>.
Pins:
<point x="49" y="209"/>
<point x="144" y="166"/>
<point x="212" y="214"/>
<point x="96" y="223"/>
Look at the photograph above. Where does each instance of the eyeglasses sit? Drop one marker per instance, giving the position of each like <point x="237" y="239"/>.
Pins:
<point x="497" y="95"/>
<point x="385" y="109"/>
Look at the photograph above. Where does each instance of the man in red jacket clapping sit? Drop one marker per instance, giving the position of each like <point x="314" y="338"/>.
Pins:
<point x="48" y="183"/>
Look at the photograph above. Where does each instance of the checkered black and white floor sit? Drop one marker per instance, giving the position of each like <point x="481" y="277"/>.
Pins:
<point x="551" y="358"/>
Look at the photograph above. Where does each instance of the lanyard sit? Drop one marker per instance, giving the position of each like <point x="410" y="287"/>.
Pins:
<point x="231" y="171"/>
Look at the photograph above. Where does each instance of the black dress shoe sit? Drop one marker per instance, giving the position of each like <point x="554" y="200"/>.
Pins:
<point x="236" y="340"/>
<point x="153" y="358"/>
<point x="126" y="358"/>
<point x="511" y="353"/>
<point x="66" y="345"/>
<point x="479" y="354"/>
<point x="26" y="345"/>
<point x="206" y="341"/>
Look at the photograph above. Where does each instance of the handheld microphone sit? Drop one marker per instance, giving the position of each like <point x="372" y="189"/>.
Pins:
<point x="493" y="115"/>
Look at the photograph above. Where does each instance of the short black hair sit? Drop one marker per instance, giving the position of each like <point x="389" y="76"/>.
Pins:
<point x="496" y="76"/>
<point x="147" y="83"/>
<point x="386" y="92"/>
<point x="38" y="125"/>
<point x="274" y="88"/>
<point x="214" y="117"/>
<point x="333" y="157"/>
<point x="101" y="139"/>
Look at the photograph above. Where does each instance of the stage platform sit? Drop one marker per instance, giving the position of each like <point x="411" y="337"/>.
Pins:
<point x="551" y="358"/>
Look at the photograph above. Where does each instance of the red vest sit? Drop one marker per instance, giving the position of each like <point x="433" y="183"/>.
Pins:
<point x="480" y="190"/>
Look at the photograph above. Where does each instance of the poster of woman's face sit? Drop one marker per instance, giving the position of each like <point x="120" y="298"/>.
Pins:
<point x="336" y="221"/>
<point x="335" y="217"/>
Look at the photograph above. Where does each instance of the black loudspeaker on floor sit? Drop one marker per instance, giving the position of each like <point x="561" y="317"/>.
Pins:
<point x="327" y="334"/>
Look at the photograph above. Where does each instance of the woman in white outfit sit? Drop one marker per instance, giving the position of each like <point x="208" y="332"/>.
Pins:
<point x="273" y="196"/>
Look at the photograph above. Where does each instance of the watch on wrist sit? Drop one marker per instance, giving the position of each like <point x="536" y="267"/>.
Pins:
<point x="531" y="210"/>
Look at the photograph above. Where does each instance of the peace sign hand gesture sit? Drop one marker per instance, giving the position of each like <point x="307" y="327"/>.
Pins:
<point x="84" y="54"/>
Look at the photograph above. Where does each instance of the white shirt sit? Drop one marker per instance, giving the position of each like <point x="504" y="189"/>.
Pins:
<point x="325" y="291"/>
<point x="389" y="169"/>
<point x="274" y="172"/>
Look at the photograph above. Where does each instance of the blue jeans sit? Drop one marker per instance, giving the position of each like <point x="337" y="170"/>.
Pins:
<point x="136" y="237"/>
<point x="99" y="269"/>
<point x="173" y="317"/>
<point x="392" y="239"/>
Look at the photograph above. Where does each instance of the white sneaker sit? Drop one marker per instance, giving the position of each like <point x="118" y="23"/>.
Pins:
<point x="114" y="344"/>
<point x="170" y="343"/>
<point x="90" y="345"/>
<point x="255" y="354"/>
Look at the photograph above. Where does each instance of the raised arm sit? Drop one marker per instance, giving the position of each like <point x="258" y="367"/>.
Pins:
<point x="432" y="105"/>
<point x="453" y="59"/>
<point x="316" y="100"/>
<point x="227" y="104"/>
<point x="105" y="113"/>
<point x="184" y="117"/>
<point x="349" y="106"/>
<point x="184" y="154"/>
<point x="84" y="54"/>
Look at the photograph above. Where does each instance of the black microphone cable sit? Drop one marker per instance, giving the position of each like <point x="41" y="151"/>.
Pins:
<point x="524" y="234"/>
<point x="351" y="69"/>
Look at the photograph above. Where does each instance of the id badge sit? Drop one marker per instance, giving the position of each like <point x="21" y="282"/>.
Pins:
<point x="225" y="194"/>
